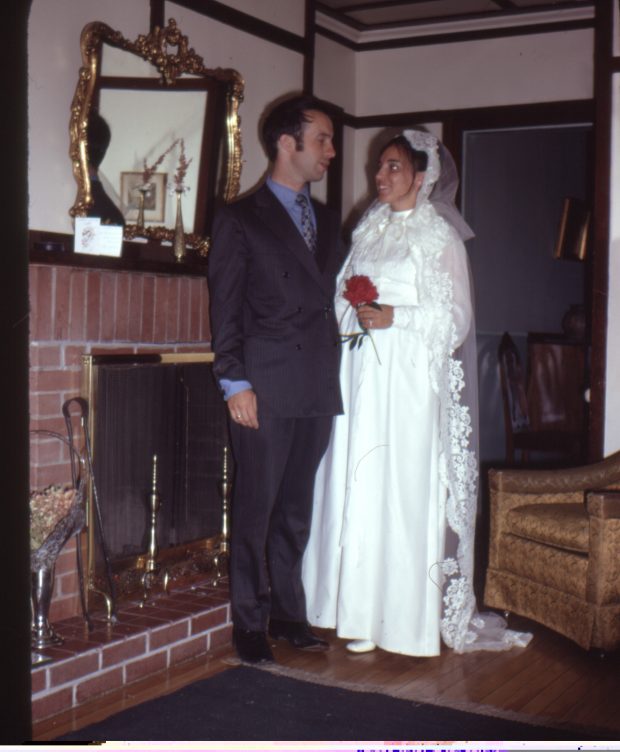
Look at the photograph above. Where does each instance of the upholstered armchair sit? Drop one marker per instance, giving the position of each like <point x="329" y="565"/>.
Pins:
<point x="554" y="553"/>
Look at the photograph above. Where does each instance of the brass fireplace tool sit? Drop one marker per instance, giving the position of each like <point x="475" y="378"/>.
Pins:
<point x="152" y="568"/>
<point x="221" y="557"/>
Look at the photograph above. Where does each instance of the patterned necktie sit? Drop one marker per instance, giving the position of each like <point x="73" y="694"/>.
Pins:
<point x="307" y="226"/>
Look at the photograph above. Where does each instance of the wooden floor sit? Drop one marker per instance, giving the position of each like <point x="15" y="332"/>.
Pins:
<point x="552" y="680"/>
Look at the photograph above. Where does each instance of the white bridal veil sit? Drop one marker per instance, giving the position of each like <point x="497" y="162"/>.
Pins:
<point x="463" y="627"/>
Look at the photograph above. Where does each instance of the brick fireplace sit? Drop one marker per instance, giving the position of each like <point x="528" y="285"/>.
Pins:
<point x="77" y="310"/>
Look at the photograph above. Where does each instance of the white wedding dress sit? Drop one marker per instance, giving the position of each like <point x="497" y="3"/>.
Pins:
<point x="398" y="477"/>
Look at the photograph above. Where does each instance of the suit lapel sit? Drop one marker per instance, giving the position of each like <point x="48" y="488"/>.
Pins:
<point x="323" y="241"/>
<point x="277" y="219"/>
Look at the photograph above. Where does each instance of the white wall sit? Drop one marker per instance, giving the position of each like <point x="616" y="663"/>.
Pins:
<point x="612" y="397"/>
<point x="54" y="60"/>
<point x="287" y="14"/>
<point x="334" y="73"/>
<point x="483" y="73"/>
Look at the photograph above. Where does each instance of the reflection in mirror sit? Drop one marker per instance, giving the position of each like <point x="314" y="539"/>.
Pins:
<point x="174" y="131"/>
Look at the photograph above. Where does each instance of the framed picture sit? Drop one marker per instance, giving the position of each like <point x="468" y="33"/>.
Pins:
<point x="154" y="197"/>
<point x="572" y="240"/>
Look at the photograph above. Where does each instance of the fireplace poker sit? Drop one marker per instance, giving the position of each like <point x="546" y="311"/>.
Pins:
<point x="78" y="547"/>
<point x="111" y="604"/>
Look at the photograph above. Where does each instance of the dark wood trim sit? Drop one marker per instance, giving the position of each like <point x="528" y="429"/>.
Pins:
<point x="461" y="36"/>
<point x="369" y="6"/>
<point x="508" y="116"/>
<point x="158" y="14"/>
<point x="15" y="693"/>
<point x="244" y="22"/>
<point x="146" y="83"/>
<point x="56" y="249"/>
<point x="310" y="35"/>
<point x="374" y="5"/>
<point x="603" y="76"/>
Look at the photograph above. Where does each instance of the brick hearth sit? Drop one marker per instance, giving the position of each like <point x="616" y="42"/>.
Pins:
<point x="168" y="630"/>
<point x="74" y="311"/>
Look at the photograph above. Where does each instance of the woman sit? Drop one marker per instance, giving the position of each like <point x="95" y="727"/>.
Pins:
<point x="390" y="557"/>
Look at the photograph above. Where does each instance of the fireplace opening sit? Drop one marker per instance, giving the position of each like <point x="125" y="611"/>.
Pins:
<point x="166" y="406"/>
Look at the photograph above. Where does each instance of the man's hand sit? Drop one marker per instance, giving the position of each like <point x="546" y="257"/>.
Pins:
<point x="243" y="410"/>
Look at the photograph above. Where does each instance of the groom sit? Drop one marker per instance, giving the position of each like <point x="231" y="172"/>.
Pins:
<point x="272" y="270"/>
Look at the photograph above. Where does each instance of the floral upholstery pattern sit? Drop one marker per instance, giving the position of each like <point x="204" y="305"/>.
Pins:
<point x="554" y="550"/>
<point x="539" y="522"/>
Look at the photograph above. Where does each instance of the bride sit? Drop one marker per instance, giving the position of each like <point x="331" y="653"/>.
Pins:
<point x="389" y="562"/>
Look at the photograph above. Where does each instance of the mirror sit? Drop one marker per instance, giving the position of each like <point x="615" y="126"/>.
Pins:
<point x="174" y="129"/>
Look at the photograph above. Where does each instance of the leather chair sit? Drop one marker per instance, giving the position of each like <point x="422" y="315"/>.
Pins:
<point x="554" y="553"/>
<point x="552" y="444"/>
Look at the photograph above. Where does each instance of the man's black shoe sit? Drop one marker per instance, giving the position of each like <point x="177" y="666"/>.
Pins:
<point x="252" y="647"/>
<point x="298" y="633"/>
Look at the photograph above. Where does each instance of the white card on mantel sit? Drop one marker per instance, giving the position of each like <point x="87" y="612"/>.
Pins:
<point x="96" y="239"/>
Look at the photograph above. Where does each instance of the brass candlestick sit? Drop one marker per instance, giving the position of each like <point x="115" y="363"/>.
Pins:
<point x="152" y="568"/>
<point x="224" y="487"/>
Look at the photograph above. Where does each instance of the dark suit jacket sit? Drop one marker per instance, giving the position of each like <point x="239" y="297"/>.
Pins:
<point x="272" y="317"/>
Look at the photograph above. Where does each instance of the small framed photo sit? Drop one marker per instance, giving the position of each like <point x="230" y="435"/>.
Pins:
<point x="154" y="196"/>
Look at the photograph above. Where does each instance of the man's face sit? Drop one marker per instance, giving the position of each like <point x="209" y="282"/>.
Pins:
<point x="311" y="163"/>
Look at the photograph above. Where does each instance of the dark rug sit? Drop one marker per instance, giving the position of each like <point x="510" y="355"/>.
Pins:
<point x="249" y="704"/>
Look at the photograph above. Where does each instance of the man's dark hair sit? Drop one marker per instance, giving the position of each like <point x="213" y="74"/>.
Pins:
<point x="288" y="117"/>
<point x="417" y="159"/>
<point x="98" y="136"/>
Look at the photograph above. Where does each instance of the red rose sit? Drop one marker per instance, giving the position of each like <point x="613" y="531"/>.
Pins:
<point x="359" y="290"/>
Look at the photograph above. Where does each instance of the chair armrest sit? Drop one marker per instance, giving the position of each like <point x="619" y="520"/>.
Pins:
<point x="581" y="478"/>
<point x="604" y="504"/>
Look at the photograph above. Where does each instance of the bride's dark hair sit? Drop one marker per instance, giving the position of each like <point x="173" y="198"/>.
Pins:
<point x="417" y="159"/>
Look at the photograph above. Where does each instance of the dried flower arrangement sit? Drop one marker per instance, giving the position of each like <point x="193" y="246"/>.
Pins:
<point x="179" y="177"/>
<point x="47" y="508"/>
<point x="148" y="172"/>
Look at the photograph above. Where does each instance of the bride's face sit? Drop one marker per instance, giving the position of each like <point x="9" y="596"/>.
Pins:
<point x="396" y="179"/>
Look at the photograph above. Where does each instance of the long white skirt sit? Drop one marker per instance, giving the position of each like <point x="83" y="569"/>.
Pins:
<point x="371" y="566"/>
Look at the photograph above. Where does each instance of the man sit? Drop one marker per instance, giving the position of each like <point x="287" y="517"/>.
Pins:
<point x="272" y="270"/>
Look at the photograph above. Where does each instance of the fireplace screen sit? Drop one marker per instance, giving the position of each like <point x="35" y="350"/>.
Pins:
<point x="166" y="406"/>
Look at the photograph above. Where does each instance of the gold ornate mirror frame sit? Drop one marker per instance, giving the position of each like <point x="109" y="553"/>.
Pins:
<point x="171" y="64"/>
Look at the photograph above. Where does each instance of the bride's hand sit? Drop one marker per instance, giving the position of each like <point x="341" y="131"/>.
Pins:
<point x="373" y="318"/>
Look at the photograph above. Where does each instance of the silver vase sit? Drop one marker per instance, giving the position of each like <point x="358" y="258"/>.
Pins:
<point x="141" y="199"/>
<point x="42" y="586"/>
